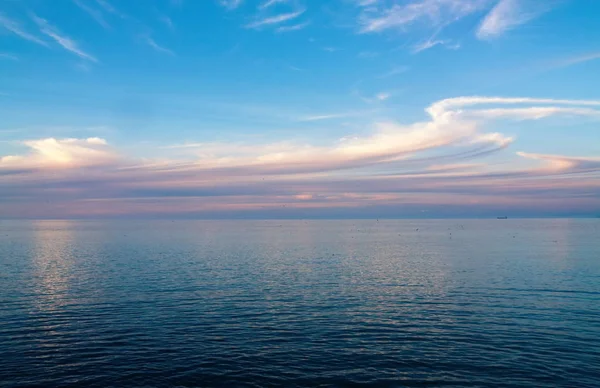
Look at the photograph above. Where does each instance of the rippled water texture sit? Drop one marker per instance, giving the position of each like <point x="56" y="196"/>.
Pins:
<point x="502" y="303"/>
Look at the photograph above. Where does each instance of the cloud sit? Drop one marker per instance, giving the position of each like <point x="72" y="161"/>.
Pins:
<point x="534" y="112"/>
<point x="62" y="153"/>
<point x="284" y="17"/>
<point x="157" y="47"/>
<point x="331" y="116"/>
<point x="63" y="40"/>
<point x="576" y="60"/>
<point x="565" y="164"/>
<point x="107" y="7"/>
<point x="231" y="4"/>
<point x="270" y="3"/>
<point x="294" y="27"/>
<point x="509" y="14"/>
<point x="377" y="98"/>
<point x="110" y="8"/>
<point x="9" y="56"/>
<point x="323" y="117"/>
<point x="444" y="106"/>
<point x="16" y="29"/>
<point x="365" y="3"/>
<point x="426" y="45"/>
<point x="431" y="13"/>
<point x="394" y="71"/>
<point x="429" y="164"/>
<point x="94" y="13"/>
<point x="383" y="96"/>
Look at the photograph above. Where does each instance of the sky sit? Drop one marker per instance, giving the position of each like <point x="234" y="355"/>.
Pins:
<point x="299" y="108"/>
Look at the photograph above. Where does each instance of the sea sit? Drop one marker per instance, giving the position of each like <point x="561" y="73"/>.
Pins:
<point x="300" y="303"/>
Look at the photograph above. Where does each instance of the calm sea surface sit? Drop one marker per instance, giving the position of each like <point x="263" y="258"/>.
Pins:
<point x="473" y="303"/>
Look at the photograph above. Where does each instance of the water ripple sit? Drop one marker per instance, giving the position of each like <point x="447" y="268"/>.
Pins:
<point x="315" y="304"/>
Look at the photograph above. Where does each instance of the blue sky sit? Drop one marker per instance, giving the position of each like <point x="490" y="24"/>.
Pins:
<point x="291" y="108"/>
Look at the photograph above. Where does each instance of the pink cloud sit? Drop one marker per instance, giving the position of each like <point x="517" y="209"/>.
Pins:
<point x="436" y="162"/>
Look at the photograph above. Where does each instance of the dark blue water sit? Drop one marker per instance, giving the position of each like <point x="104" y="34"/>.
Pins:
<point x="504" y="303"/>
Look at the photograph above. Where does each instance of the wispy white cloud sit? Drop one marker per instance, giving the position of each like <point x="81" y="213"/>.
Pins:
<point x="324" y="117"/>
<point x="377" y="98"/>
<point x="270" y="3"/>
<point x="294" y="27"/>
<point x="440" y="108"/>
<point x="433" y="13"/>
<point x="63" y="40"/>
<point x="575" y="60"/>
<point x="273" y="20"/>
<point x="110" y="8"/>
<point x="426" y="45"/>
<point x="16" y="29"/>
<point x="94" y="13"/>
<point x="231" y="4"/>
<point x="366" y="3"/>
<point x="394" y="71"/>
<point x="331" y="116"/>
<point x="158" y="47"/>
<point x="450" y="123"/>
<point x="495" y="108"/>
<point x="9" y="56"/>
<point x="509" y="14"/>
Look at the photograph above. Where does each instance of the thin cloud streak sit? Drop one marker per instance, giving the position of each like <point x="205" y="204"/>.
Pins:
<point x="433" y="13"/>
<point x="94" y="13"/>
<point x="158" y="47"/>
<point x="63" y="40"/>
<point x="576" y="60"/>
<point x="270" y="3"/>
<point x="231" y="4"/>
<point x="284" y="17"/>
<point x="331" y="116"/>
<point x="16" y="29"/>
<point x="394" y="71"/>
<point x="294" y="27"/>
<point x="110" y="8"/>
<point x="428" y="44"/>
<point x="9" y="56"/>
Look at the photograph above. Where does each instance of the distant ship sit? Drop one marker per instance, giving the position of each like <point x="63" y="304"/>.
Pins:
<point x="502" y="218"/>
